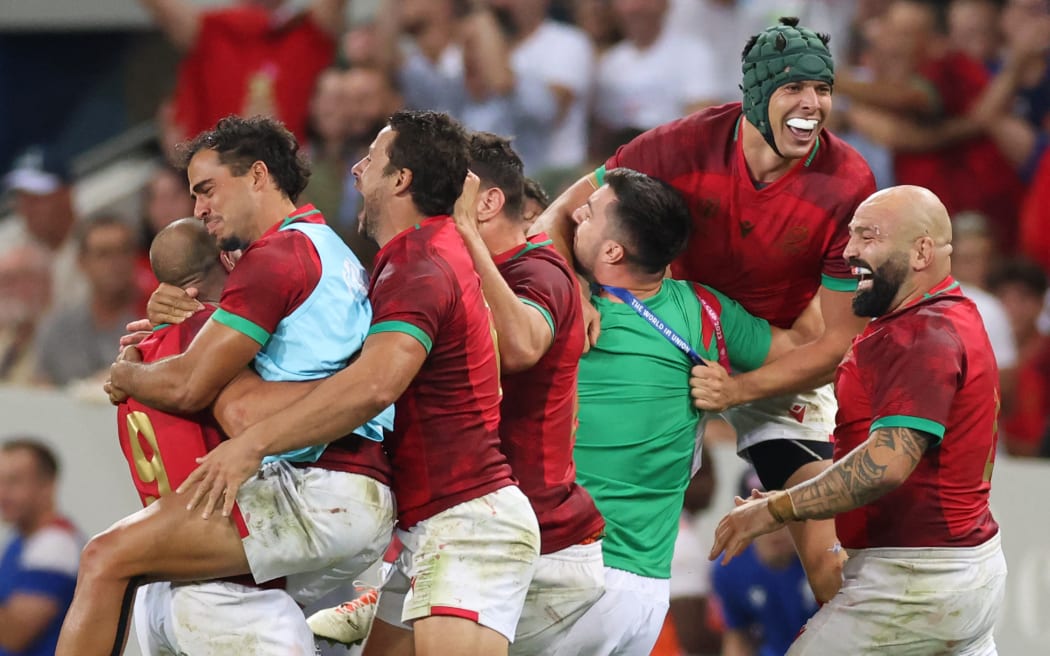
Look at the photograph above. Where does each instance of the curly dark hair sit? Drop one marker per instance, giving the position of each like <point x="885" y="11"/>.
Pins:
<point x="240" y="142"/>
<point x="433" y="146"/>
<point x="650" y="216"/>
<point x="497" y="165"/>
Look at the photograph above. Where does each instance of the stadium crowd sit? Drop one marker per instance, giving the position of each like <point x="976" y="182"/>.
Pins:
<point x="953" y="96"/>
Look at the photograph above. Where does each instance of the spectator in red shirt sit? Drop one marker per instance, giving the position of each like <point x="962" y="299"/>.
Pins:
<point x="257" y="57"/>
<point x="1021" y="286"/>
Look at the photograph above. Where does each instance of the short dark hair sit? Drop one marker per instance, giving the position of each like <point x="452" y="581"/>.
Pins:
<point x="433" y="146"/>
<point x="650" y="216"/>
<point x="1022" y="272"/>
<point x="494" y="161"/>
<point x="240" y="142"/>
<point x="535" y="191"/>
<point x="83" y="230"/>
<point x="46" y="461"/>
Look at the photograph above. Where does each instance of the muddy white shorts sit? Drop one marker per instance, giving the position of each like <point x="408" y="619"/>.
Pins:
<point x="319" y="528"/>
<point x="474" y="560"/>
<point x="912" y="602"/>
<point x="218" y="618"/>
<point x="626" y="621"/>
<point x="806" y="416"/>
<point x="565" y="585"/>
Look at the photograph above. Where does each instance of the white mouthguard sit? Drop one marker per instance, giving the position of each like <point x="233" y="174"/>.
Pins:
<point x="803" y="123"/>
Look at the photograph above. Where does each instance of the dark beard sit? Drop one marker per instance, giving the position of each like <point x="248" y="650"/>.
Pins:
<point x="886" y="281"/>
<point x="233" y="243"/>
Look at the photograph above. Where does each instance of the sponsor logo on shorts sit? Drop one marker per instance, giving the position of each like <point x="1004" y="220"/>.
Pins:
<point x="798" y="411"/>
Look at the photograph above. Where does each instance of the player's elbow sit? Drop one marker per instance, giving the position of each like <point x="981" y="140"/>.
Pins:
<point x="519" y="358"/>
<point x="382" y="394"/>
<point x="234" y="415"/>
<point x="191" y="397"/>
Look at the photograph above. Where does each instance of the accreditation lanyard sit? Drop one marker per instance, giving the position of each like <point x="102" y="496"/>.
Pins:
<point x="669" y="333"/>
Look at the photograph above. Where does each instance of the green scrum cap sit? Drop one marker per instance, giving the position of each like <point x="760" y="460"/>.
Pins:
<point x="779" y="55"/>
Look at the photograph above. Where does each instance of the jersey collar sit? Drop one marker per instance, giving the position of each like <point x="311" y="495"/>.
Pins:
<point x="532" y="243"/>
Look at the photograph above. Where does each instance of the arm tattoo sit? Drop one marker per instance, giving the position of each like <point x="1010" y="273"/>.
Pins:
<point x="871" y="470"/>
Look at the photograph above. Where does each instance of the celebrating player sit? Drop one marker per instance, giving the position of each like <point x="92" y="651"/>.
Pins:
<point x="913" y="453"/>
<point x="770" y="192"/>
<point x="295" y="307"/>
<point x="470" y="536"/>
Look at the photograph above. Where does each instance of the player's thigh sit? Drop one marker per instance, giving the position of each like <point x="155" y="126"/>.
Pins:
<point x="439" y="635"/>
<point x="386" y="639"/>
<point x="565" y="585"/>
<point x="626" y="620"/>
<point x="474" y="560"/>
<point x="320" y="527"/>
<point x="167" y="541"/>
<point x="219" y="618"/>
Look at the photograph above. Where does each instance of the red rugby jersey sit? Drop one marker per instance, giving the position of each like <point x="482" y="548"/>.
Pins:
<point x="538" y="414"/>
<point x="445" y="446"/>
<point x="770" y="248"/>
<point x="274" y="276"/>
<point x="928" y="366"/>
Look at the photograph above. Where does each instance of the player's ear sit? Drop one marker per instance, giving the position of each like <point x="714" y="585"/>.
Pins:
<point x="922" y="253"/>
<point x="612" y="252"/>
<point x="490" y="203"/>
<point x="403" y="181"/>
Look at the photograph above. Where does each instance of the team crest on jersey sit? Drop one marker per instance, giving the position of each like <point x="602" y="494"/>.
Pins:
<point x="795" y="241"/>
<point x="746" y="227"/>
<point x="798" y="411"/>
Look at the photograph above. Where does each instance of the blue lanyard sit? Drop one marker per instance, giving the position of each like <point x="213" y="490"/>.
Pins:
<point x="644" y="312"/>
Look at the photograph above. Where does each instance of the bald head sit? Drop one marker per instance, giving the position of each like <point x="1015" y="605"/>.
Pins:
<point x="911" y="212"/>
<point x="184" y="254"/>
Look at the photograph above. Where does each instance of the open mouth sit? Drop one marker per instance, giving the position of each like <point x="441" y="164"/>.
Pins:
<point x="863" y="275"/>
<point x="802" y="128"/>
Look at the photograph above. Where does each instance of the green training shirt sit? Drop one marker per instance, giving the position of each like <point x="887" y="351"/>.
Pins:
<point x="637" y="423"/>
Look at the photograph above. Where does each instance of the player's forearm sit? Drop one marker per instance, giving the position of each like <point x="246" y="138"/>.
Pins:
<point x="523" y="336"/>
<point x="167" y="385"/>
<point x="557" y="221"/>
<point x="248" y="399"/>
<point x="802" y="369"/>
<point x="876" y="467"/>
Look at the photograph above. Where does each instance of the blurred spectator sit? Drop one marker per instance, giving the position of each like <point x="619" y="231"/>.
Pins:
<point x="428" y="61"/>
<point x="81" y="340"/>
<point x="1034" y="227"/>
<point x="973" y="28"/>
<point x="595" y="19"/>
<point x="553" y="66"/>
<point x="1015" y="108"/>
<point x="41" y="182"/>
<point x="653" y="75"/>
<point x="536" y="200"/>
<point x="166" y="198"/>
<point x="973" y="254"/>
<point x="763" y="592"/>
<point x="25" y="294"/>
<point x="1021" y="286"/>
<point x="38" y="570"/>
<point x="326" y="148"/>
<point x="918" y="104"/>
<point x="257" y="57"/>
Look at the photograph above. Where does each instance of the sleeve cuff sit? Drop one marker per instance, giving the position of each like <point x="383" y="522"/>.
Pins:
<point x="543" y="311"/>
<point x="839" y="284"/>
<point x="914" y="423"/>
<point x="403" y="327"/>
<point x="599" y="175"/>
<point x="242" y="325"/>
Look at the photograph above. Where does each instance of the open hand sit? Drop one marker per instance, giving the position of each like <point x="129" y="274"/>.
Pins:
<point x="171" y="304"/>
<point x="220" y="474"/>
<point x="747" y="521"/>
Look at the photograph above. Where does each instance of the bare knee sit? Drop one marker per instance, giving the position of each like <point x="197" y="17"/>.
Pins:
<point x="99" y="559"/>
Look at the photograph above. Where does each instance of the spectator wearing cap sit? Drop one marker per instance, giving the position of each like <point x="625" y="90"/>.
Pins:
<point x="79" y="341"/>
<point x="44" y="214"/>
<point x="38" y="567"/>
